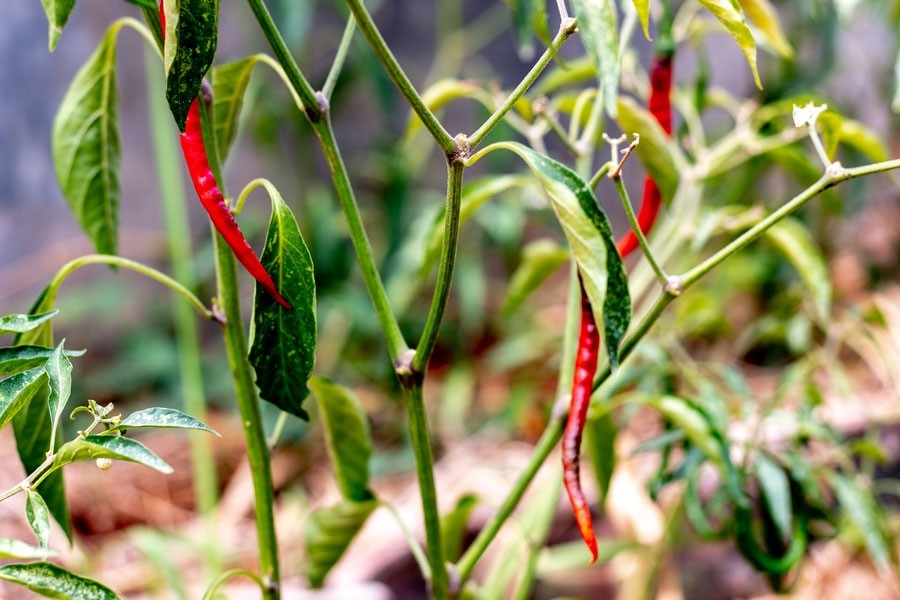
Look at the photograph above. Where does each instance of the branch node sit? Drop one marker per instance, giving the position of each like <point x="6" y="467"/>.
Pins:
<point x="674" y="286"/>
<point x="406" y="373"/>
<point x="461" y="153"/>
<point x="617" y="171"/>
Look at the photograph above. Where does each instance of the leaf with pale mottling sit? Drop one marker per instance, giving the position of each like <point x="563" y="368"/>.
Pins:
<point x="18" y="390"/>
<point x="190" y="46"/>
<point x="52" y="581"/>
<point x="162" y="418"/>
<point x="38" y="516"/>
<point x="114" y="447"/>
<point x="861" y="508"/>
<point x="10" y="548"/>
<point x="23" y="323"/>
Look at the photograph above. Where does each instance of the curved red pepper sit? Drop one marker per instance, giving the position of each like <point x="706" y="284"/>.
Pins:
<point x="213" y="200"/>
<point x="660" y="106"/>
<point x="582" y="387"/>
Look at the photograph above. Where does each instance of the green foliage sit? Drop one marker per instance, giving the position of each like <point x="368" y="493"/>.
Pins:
<point x="52" y="581"/>
<point x="192" y="28"/>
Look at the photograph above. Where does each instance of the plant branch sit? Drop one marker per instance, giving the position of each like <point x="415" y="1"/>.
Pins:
<point x="339" y="58"/>
<point x="636" y="228"/>
<point x="398" y="75"/>
<point x="566" y="29"/>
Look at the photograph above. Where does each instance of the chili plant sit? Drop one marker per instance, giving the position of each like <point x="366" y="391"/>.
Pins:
<point x="769" y="501"/>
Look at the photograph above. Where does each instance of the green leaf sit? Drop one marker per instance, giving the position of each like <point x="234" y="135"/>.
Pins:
<point x="765" y="17"/>
<point x="58" y="12"/>
<point x="655" y="150"/>
<point x="14" y="359"/>
<point x="454" y="525"/>
<point x="540" y="259"/>
<point x="16" y="549"/>
<point x="731" y="16"/>
<point x="776" y="492"/>
<point x="85" y="143"/>
<point x="643" y="11"/>
<point x="23" y="323"/>
<point x="60" y="371"/>
<point x="524" y="13"/>
<point x="692" y="422"/>
<point x="599" y="30"/>
<point x="38" y="516"/>
<point x="190" y="47"/>
<point x="793" y="239"/>
<point x="590" y="241"/>
<point x="161" y="418"/>
<point x="283" y="342"/>
<point x="329" y="533"/>
<point x="52" y="581"/>
<point x="600" y="446"/>
<point x="114" y="447"/>
<point x="347" y="436"/>
<point x="229" y="83"/>
<point x="861" y="508"/>
<point x="16" y="391"/>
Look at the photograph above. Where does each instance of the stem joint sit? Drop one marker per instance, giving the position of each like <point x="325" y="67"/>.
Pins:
<point x="404" y="368"/>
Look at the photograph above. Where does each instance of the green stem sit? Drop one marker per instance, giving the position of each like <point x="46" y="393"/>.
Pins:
<point x="414" y="547"/>
<point x="636" y="228"/>
<point x="445" y="269"/>
<point x="186" y="335"/>
<point x="314" y="111"/>
<point x="566" y="29"/>
<point x="394" y="337"/>
<point x="421" y="443"/>
<point x="339" y="58"/>
<point x="398" y="75"/>
<point x="221" y="579"/>
<point x="117" y="261"/>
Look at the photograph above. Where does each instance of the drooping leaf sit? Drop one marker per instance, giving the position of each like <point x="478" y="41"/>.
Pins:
<point x="191" y="37"/>
<point x="161" y="418"/>
<point x="776" y="492"/>
<point x="731" y="16"/>
<point x="59" y="369"/>
<point x="14" y="359"/>
<point x="642" y="7"/>
<point x="590" y="240"/>
<point x="523" y="17"/>
<point x="38" y="516"/>
<point x="229" y="83"/>
<point x="114" y="447"/>
<point x="655" y="148"/>
<point x="861" y="508"/>
<point x="329" y="533"/>
<point x="793" y="239"/>
<point x="600" y="446"/>
<point x="599" y="29"/>
<point x="348" y="437"/>
<point x="15" y="549"/>
<point x="283" y="342"/>
<point x="58" y="12"/>
<point x="762" y="14"/>
<point x="16" y="391"/>
<point x="86" y="148"/>
<point x="52" y="581"/>
<point x="23" y="323"/>
<point x="540" y="259"/>
<point x="454" y="525"/>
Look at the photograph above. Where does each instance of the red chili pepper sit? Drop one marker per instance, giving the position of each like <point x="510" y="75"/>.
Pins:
<point x="660" y="105"/>
<point x="582" y="387"/>
<point x="211" y="196"/>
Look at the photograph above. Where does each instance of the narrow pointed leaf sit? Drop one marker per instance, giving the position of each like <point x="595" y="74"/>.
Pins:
<point x="655" y="149"/>
<point x="23" y="323"/>
<point x="52" y="581"/>
<point x="329" y="533"/>
<point x="58" y="12"/>
<point x="454" y="525"/>
<point x="540" y="259"/>
<point x="643" y="10"/>
<point x="347" y="435"/>
<point x="229" y="86"/>
<point x="283" y="342"/>
<point x="590" y="241"/>
<point x="17" y="391"/>
<point x="731" y="16"/>
<point x="599" y="30"/>
<point x="762" y="14"/>
<point x="38" y="516"/>
<point x="15" y="549"/>
<point x="776" y="492"/>
<point x="793" y="239"/>
<point x="60" y="371"/>
<point x="86" y="150"/>
<point x="14" y="359"/>
<point x="114" y="447"/>
<point x="161" y="418"/>
<point x="862" y="510"/>
<point x="190" y="46"/>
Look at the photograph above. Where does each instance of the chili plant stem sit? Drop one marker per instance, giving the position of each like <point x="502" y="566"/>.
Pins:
<point x="636" y="228"/>
<point x="339" y="58"/>
<point x="445" y="270"/>
<point x="566" y="29"/>
<point x="421" y="443"/>
<point x="394" y="337"/>
<point x="398" y="75"/>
